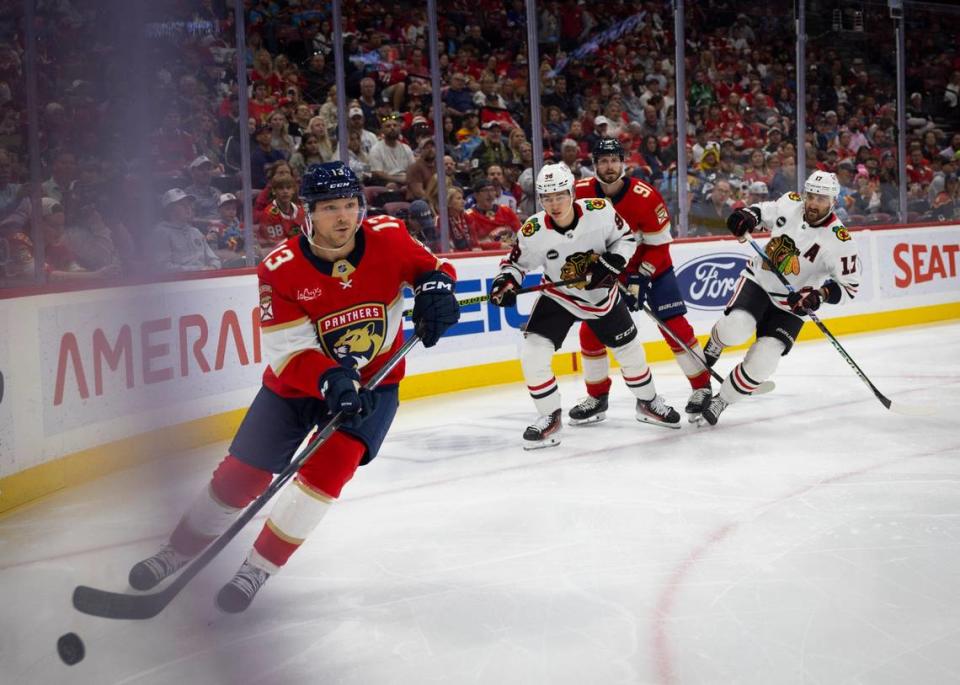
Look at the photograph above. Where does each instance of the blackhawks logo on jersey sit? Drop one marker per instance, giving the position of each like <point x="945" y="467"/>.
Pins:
<point x="356" y="333"/>
<point x="843" y="235"/>
<point x="784" y="254"/>
<point x="576" y="266"/>
<point x="595" y="203"/>
<point x="529" y="228"/>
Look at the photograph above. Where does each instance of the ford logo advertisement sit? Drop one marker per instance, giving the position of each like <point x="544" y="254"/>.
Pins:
<point x="708" y="282"/>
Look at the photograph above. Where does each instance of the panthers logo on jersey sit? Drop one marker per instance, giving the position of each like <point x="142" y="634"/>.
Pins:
<point x="356" y="333"/>
<point x="783" y="253"/>
<point x="576" y="266"/>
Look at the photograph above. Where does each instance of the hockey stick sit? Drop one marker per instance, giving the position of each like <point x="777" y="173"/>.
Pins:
<point x="762" y="389"/>
<point x="898" y="407"/>
<point x="117" y="605"/>
<point x="477" y="299"/>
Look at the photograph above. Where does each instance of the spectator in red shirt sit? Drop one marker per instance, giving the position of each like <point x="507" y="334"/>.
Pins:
<point x="261" y="104"/>
<point x="918" y="169"/>
<point x="172" y="148"/>
<point x="282" y="218"/>
<point x="492" y="226"/>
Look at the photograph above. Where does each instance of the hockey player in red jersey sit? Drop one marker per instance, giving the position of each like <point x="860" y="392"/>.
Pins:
<point x="649" y="278"/>
<point x="331" y="303"/>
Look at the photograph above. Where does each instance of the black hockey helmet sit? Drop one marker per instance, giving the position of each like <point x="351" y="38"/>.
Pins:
<point x="329" y="181"/>
<point x="607" y="146"/>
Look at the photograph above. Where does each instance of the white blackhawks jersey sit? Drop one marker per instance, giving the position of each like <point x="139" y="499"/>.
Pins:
<point x="567" y="253"/>
<point x="806" y="255"/>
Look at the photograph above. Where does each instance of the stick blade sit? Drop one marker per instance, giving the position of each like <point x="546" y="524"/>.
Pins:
<point x="94" y="602"/>
<point x="912" y="409"/>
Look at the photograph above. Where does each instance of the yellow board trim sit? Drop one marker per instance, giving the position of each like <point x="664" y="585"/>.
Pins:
<point x="21" y="488"/>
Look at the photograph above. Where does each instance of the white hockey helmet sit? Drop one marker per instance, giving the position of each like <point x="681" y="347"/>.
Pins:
<point x="822" y="183"/>
<point x="554" y="178"/>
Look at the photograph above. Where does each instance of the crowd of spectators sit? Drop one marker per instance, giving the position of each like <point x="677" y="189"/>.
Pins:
<point x="142" y="169"/>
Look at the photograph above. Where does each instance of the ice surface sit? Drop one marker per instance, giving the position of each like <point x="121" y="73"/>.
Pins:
<point x="811" y="537"/>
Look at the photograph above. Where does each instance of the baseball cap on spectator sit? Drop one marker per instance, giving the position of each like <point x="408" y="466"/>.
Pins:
<point x="49" y="206"/>
<point x="260" y="129"/>
<point x="848" y="165"/>
<point x="493" y="124"/>
<point x="830" y="113"/>
<point x="173" y="196"/>
<point x="225" y="198"/>
<point x="601" y="120"/>
<point x="758" y="188"/>
<point x="200" y="161"/>
<point x="419" y="121"/>
<point x="482" y="184"/>
<point x="771" y="121"/>
<point x="774" y="128"/>
<point x="426" y="140"/>
<point x="355" y="112"/>
<point x="569" y="142"/>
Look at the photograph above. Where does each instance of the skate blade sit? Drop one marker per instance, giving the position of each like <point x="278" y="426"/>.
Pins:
<point x="541" y="444"/>
<point x="597" y="418"/>
<point x="654" y="422"/>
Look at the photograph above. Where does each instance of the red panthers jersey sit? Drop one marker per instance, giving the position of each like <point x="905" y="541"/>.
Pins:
<point x="643" y="208"/>
<point x="273" y="226"/>
<point x="314" y="312"/>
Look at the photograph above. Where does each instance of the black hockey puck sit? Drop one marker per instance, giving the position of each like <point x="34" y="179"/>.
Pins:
<point x="70" y="648"/>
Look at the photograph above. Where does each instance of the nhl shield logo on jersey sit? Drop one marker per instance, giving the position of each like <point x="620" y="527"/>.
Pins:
<point x="357" y="332"/>
<point x="783" y="252"/>
<point x="843" y="235"/>
<point x="576" y="266"/>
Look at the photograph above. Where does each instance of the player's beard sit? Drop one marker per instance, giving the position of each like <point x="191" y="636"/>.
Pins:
<point x="813" y="216"/>
<point x="610" y="176"/>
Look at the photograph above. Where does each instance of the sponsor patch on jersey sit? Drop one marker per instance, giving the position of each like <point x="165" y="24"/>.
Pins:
<point x="529" y="228"/>
<point x="356" y="333"/>
<point x="552" y="254"/>
<point x="595" y="203"/>
<point x="794" y="196"/>
<point x="781" y="220"/>
<point x="784" y="254"/>
<point x="307" y="294"/>
<point x="266" y="303"/>
<point x="709" y="281"/>
<point x="843" y="235"/>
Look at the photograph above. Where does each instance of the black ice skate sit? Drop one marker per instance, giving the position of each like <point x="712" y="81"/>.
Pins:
<point x="712" y="351"/>
<point x="236" y="595"/>
<point x="545" y="432"/>
<point x="589" y="410"/>
<point x="149" y="572"/>
<point x="658" y="412"/>
<point x="713" y="410"/>
<point x="698" y="401"/>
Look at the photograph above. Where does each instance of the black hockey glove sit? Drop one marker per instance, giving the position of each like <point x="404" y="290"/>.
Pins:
<point x="435" y="307"/>
<point x="342" y="392"/>
<point x="503" y="291"/>
<point x="804" y="300"/>
<point x="635" y="293"/>
<point x="603" y="272"/>
<point x="743" y="221"/>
